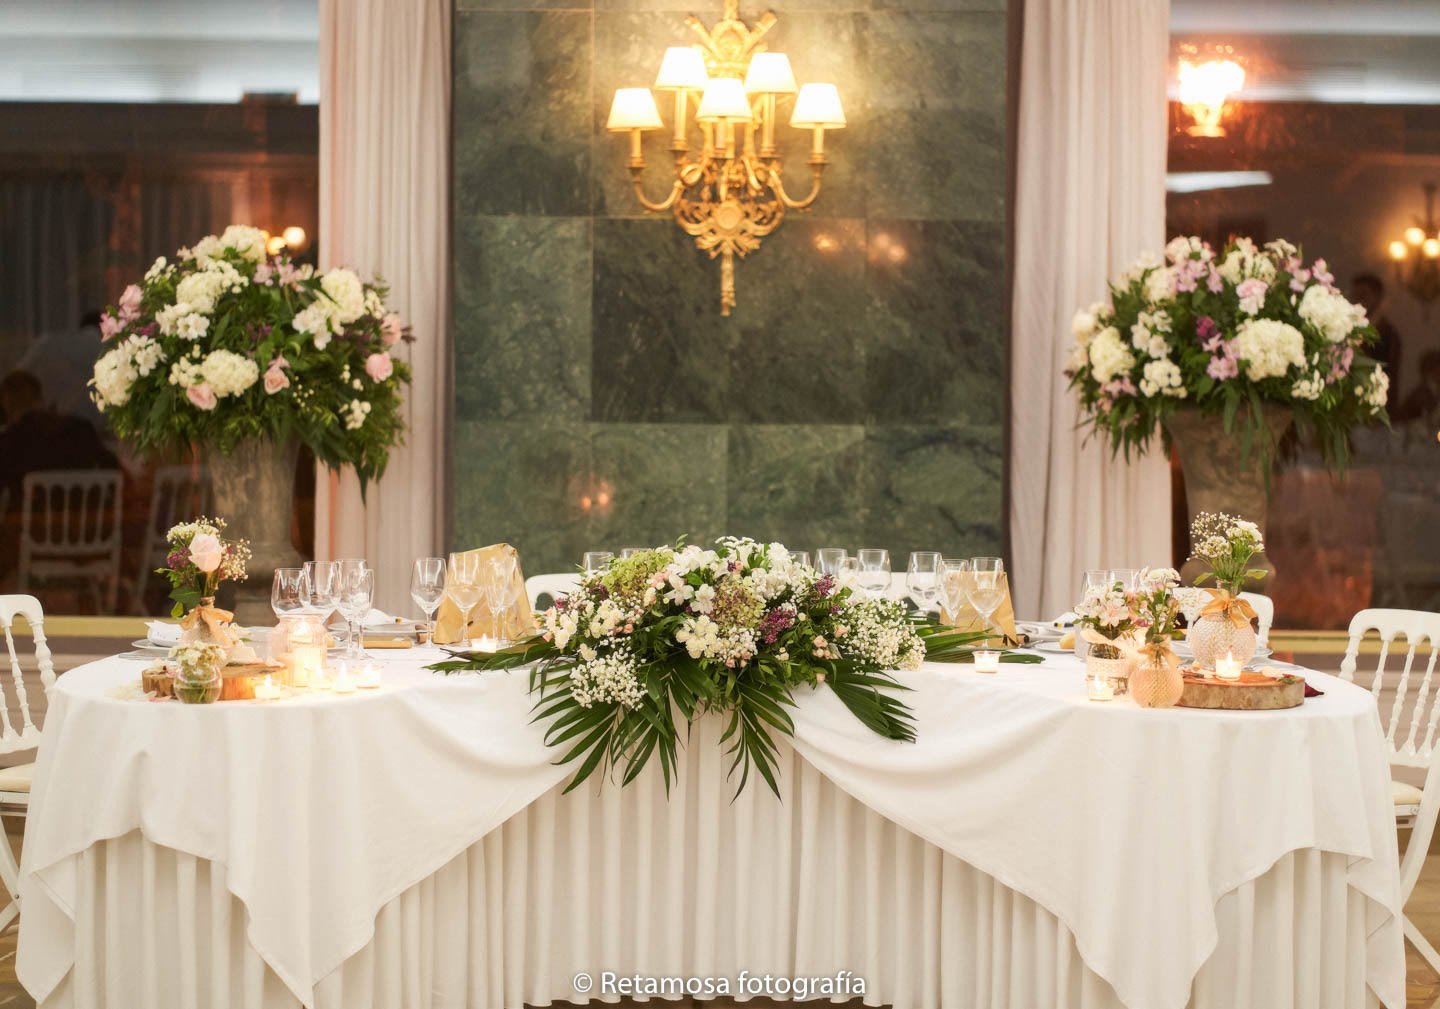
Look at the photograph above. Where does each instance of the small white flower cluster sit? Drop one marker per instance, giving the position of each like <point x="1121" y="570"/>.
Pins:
<point x="1376" y="392"/>
<point x="228" y="373"/>
<point x="199" y="658"/>
<point x="1269" y="348"/>
<point x="185" y="373"/>
<point x="181" y="319"/>
<point x="115" y="373"/>
<point x="1245" y="260"/>
<point x="1330" y="313"/>
<point x="355" y="414"/>
<point x="1163" y="376"/>
<point x="203" y="288"/>
<point x="1309" y="387"/>
<point x="875" y="630"/>
<point x="608" y="679"/>
<point x="705" y="639"/>
<point x="1109" y="356"/>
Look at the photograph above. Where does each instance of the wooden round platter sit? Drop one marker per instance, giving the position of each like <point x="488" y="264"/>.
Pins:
<point x="1251" y="692"/>
<point x="238" y="682"/>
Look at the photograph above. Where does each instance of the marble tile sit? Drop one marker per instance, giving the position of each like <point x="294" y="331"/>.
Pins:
<point x="521" y="110"/>
<point x="941" y="5"/>
<point x="462" y="6"/>
<point x="661" y="348"/>
<point x="663" y="481"/>
<point x="937" y="351"/>
<point x="935" y="488"/>
<point x="801" y="484"/>
<point x="937" y="105"/>
<point x="522" y="318"/>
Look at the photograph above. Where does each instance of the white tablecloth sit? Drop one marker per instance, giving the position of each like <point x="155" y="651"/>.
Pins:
<point x="1127" y="826"/>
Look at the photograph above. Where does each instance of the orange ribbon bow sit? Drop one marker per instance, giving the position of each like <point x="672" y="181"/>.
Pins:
<point x="215" y="618"/>
<point x="1233" y="608"/>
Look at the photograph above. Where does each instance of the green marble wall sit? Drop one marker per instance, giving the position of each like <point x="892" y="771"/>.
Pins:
<point x="855" y="397"/>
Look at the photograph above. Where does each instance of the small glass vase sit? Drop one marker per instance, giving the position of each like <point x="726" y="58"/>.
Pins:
<point x="1107" y="672"/>
<point x="1157" y="682"/>
<point x="195" y="688"/>
<point x="1214" y="636"/>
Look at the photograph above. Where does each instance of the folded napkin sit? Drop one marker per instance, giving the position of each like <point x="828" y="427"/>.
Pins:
<point x="381" y="641"/>
<point x="163" y="632"/>
<point x="516" y="622"/>
<point x="967" y="618"/>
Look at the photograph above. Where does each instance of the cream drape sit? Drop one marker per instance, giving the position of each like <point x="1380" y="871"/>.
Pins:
<point x="384" y="208"/>
<point x="1090" y="197"/>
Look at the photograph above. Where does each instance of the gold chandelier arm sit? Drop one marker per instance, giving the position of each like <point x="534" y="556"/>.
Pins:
<point x="660" y="207"/>
<point x="778" y="185"/>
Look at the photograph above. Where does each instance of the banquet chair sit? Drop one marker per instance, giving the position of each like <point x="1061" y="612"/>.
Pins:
<point x="551" y="586"/>
<point x="1415" y="807"/>
<point x="1264" y="613"/>
<point x="179" y="494"/>
<point x="70" y="528"/>
<point x="15" y="781"/>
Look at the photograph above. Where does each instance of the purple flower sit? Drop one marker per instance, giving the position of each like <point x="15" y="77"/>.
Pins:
<point x="776" y="623"/>
<point x="176" y="560"/>
<point x="824" y="586"/>
<point x="1205" y="328"/>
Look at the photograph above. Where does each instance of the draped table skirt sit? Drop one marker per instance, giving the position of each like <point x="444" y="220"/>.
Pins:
<point x="691" y="885"/>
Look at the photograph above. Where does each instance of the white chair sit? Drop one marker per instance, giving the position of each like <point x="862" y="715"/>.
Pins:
<point x="550" y="585"/>
<point x="1414" y="807"/>
<point x="1264" y="608"/>
<point x="15" y="781"/>
<point x="179" y="494"/>
<point x="70" y="528"/>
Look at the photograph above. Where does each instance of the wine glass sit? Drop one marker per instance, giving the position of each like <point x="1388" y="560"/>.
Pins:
<point x="830" y="560"/>
<point x="953" y="575"/>
<point x="986" y="587"/>
<point x="1095" y="580"/>
<point x="1129" y="578"/>
<point x="357" y="594"/>
<point x="597" y="560"/>
<point x="874" y="571"/>
<point x="627" y="552"/>
<point x="801" y="557"/>
<point x="464" y="588"/>
<point x="289" y="591"/>
<point x="502" y="593"/>
<point x="345" y="567"/>
<point x="922" y="578"/>
<point x="322" y="581"/>
<point x="427" y="586"/>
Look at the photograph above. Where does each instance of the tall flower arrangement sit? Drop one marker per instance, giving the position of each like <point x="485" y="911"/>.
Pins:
<point x="229" y="344"/>
<point x="1225" y="333"/>
<point x="735" y="629"/>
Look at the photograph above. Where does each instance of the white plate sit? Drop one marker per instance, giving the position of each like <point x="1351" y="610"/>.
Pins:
<point x="149" y="647"/>
<point x="1053" y="647"/>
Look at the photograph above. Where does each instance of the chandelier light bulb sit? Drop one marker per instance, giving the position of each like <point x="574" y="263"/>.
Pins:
<point x="294" y="236"/>
<point x="683" y="68"/>
<point x="1398" y="250"/>
<point x="724" y="100"/>
<point x="818" y="105"/>
<point x="1210" y="83"/>
<point x="1431" y="248"/>
<point x="1414" y="235"/>
<point x="275" y="245"/>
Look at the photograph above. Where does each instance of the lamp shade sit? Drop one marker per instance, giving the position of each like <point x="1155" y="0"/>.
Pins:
<point x="724" y="99"/>
<point x="818" y="105"/>
<point x="633" y="109"/>
<point x="769" y="73"/>
<point x="682" y="67"/>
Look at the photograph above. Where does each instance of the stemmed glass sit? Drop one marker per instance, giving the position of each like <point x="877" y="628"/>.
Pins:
<point x="1095" y="580"/>
<point x="874" y="571"/>
<point x="953" y="575"/>
<point x="502" y="593"/>
<point x="801" y="557"/>
<point x="289" y="592"/>
<point x="427" y="586"/>
<point x="323" y="580"/>
<point x="829" y="560"/>
<point x="463" y="587"/>
<point x="986" y="587"/>
<point x="922" y="578"/>
<point x="344" y="569"/>
<point x="1129" y="578"/>
<point x="597" y="560"/>
<point x="627" y="552"/>
<point x="357" y="593"/>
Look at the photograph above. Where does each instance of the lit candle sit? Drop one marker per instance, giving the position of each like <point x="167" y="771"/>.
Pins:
<point x="1227" y="668"/>
<point x="369" y="676"/>
<point x="267" y="691"/>
<point x="1100" y="689"/>
<point x="485" y="643"/>
<point x="343" y="683"/>
<point x="987" y="661"/>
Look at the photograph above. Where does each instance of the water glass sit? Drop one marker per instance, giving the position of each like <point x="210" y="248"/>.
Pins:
<point x="922" y="579"/>
<point x="801" y="557"/>
<point x="953" y="575"/>
<point x="357" y="595"/>
<point x="831" y="559"/>
<point x="627" y="552"/>
<point x="289" y="592"/>
<point x="464" y="588"/>
<point x="874" y="571"/>
<point x="597" y="560"/>
<point x="1095" y="580"/>
<point x="986" y="587"/>
<point x="427" y="587"/>
<point x="502" y="593"/>
<point x="322" y="582"/>
<point x="1129" y="578"/>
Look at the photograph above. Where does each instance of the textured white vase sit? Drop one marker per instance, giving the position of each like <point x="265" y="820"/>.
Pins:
<point x="1213" y="636"/>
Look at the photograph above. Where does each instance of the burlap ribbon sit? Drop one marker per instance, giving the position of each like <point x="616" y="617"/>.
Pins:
<point x="967" y="618"/>
<point x="219" y="621"/>
<point x="1232" y="608"/>
<point x="1159" y="654"/>
<point x="515" y="623"/>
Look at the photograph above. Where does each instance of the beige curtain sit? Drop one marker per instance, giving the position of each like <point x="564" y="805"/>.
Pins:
<point x="1090" y="197"/>
<point x="384" y="208"/>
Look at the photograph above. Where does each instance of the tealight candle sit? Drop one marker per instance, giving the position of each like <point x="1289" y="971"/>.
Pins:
<point x="1099" y="688"/>
<point x="267" y="690"/>
<point x="485" y="643"/>
<point x="987" y="661"/>
<point x="1227" y="668"/>
<point x="369" y="676"/>
<point x="343" y="683"/>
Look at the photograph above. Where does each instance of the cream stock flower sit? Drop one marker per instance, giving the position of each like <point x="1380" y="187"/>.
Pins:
<point x="1109" y="356"/>
<point x="1269" y="348"/>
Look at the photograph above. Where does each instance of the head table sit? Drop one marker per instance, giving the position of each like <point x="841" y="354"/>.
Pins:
<point x="1030" y="847"/>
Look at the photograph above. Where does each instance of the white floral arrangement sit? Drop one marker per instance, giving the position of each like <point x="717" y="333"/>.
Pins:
<point x="737" y="628"/>
<point x="1225" y="333"/>
<point x="228" y="344"/>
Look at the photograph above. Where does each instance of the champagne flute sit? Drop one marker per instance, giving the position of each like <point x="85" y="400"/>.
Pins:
<point x="502" y="593"/>
<point x="597" y="560"/>
<point x="874" y="571"/>
<point x="288" y="591"/>
<point x="463" y="587"/>
<point x="427" y="587"/>
<point x="922" y="579"/>
<point x="830" y="560"/>
<point x="357" y="593"/>
<point x="953" y="575"/>
<point x="986" y="587"/>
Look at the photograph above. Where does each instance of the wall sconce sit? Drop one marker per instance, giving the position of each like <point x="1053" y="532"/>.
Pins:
<point x="292" y="238"/>
<point x="1203" y="90"/>
<point x="1417" y="256"/>
<point x="732" y="195"/>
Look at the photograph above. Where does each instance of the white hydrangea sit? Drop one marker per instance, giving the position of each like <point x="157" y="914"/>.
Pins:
<point x="1109" y="356"/>
<point x="1146" y="261"/>
<point x="1269" y="348"/>
<point x="229" y="373"/>
<point x="114" y="375"/>
<point x="201" y="289"/>
<point x="1309" y="387"/>
<point x="1157" y="321"/>
<point x="1162" y="376"/>
<point x="315" y="319"/>
<point x="1160" y="284"/>
<point x="248" y="241"/>
<point x="347" y="292"/>
<point x="206" y="250"/>
<point x="1330" y="313"/>
<point x="1083" y="326"/>
<point x="355" y="414"/>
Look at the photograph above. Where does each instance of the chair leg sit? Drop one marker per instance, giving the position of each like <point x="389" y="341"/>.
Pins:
<point x="10" y="876"/>
<point x="1421" y="944"/>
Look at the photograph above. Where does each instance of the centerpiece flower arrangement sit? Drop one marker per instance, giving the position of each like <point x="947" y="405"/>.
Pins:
<point x="1226" y="333"/>
<point x="734" y="629"/>
<point x="200" y="557"/>
<point x="1225" y="545"/>
<point x="1157" y="683"/>
<point x="1106" y="618"/>
<point x="228" y="344"/>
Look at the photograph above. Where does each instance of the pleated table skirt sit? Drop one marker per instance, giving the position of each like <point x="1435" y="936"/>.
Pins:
<point x="633" y="882"/>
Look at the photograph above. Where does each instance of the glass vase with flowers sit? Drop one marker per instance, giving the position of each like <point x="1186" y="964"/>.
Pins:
<point x="1105" y="618"/>
<point x="200" y="557"/>
<point x="1226" y="545"/>
<point x="1157" y="682"/>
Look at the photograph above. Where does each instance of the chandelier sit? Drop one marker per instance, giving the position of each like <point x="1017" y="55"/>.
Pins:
<point x="1417" y="257"/>
<point x="1203" y="90"/>
<point x="731" y="195"/>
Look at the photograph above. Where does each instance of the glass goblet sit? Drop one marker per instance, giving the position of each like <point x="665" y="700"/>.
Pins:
<point x="874" y="571"/>
<point x="427" y="587"/>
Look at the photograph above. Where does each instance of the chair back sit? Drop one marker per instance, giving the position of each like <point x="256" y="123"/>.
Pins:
<point x="70" y="526"/>
<point x="27" y="734"/>
<point x="549" y="585"/>
<point x="1264" y="608"/>
<point x="1417" y="746"/>
<point x="179" y="494"/>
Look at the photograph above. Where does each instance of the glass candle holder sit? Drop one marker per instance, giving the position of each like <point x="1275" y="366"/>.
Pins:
<point x="987" y="661"/>
<point x="299" y="643"/>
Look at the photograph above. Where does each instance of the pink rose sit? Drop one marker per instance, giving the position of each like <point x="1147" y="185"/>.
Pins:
<point x="130" y="302"/>
<point x="109" y="325"/>
<point x="201" y="395"/>
<point x="275" y="380"/>
<point x="390" y="329"/>
<point x="205" y="551"/>
<point x="379" y="366"/>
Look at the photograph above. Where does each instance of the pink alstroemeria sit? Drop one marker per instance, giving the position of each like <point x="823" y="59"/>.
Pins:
<point x="130" y="302"/>
<point x="1298" y="280"/>
<point x="390" y="329"/>
<point x="278" y="361"/>
<point x="1215" y="283"/>
<point x="109" y="326"/>
<point x="263" y="272"/>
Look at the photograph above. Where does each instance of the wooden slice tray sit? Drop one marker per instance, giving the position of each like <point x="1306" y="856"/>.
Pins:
<point x="1251" y="692"/>
<point x="238" y="682"/>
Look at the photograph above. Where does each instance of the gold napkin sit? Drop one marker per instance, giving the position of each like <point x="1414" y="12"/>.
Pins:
<point x="968" y="618"/>
<point x="516" y="622"/>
